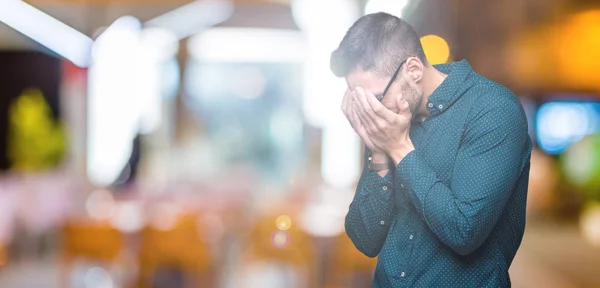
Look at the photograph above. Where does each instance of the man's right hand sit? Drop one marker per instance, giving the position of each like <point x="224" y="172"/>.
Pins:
<point x="377" y="155"/>
<point x="356" y="124"/>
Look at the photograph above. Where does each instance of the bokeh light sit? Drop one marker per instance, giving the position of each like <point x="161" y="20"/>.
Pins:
<point x="280" y="239"/>
<point x="579" y="48"/>
<point x="100" y="204"/>
<point x="562" y="55"/>
<point x="128" y="217"/>
<point x="283" y="222"/>
<point x="113" y="100"/>
<point x="322" y="219"/>
<point x="165" y="216"/>
<point x="581" y="163"/>
<point x="590" y="223"/>
<point x="561" y="123"/>
<point x="98" y="278"/>
<point x="436" y="49"/>
<point x="222" y="45"/>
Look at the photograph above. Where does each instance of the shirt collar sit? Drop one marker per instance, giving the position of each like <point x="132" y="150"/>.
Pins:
<point x="455" y="84"/>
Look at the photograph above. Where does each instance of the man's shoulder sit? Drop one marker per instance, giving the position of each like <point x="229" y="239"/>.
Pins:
<point x="492" y="99"/>
<point x="487" y="92"/>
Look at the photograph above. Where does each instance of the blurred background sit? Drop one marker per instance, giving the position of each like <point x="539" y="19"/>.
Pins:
<point x="152" y="143"/>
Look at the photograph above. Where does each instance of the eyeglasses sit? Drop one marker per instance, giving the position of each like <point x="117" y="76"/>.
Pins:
<point x="392" y="80"/>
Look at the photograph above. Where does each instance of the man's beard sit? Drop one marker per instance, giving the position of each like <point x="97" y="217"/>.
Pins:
<point x="413" y="98"/>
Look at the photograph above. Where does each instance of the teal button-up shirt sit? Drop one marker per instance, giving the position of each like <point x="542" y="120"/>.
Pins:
<point x="452" y="213"/>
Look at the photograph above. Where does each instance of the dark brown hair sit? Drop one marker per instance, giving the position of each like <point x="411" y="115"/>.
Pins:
<point x="376" y="42"/>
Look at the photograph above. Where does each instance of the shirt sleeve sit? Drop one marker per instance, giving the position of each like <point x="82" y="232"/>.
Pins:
<point x="490" y="160"/>
<point x="370" y="214"/>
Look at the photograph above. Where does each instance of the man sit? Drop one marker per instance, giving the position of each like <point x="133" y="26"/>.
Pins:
<point x="442" y="196"/>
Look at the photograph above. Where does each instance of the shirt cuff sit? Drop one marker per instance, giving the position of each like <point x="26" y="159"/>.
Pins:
<point x="413" y="174"/>
<point x="375" y="184"/>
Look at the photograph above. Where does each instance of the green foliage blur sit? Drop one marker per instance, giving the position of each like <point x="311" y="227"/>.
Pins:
<point x="36" y="141"/>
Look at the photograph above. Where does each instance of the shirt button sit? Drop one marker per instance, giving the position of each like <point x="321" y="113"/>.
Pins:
<point x="382" y="222"/>
<point x="402" y="274"/>
<point x="430" y="105"/>
<point x="441" y="106"/>
<point x="385" y="188"/>
<point x="411" y="237"/>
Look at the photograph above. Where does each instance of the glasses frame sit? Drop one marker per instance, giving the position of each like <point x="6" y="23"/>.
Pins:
<point x="387" y="88"/>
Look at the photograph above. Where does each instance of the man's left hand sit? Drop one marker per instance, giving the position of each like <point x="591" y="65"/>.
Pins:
<point x="387" y="130"/>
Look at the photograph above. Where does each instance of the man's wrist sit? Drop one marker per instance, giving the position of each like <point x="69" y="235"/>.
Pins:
<point x="379" y="157"/>
<point x="379" y="162"/>
<point x="398" y="154"/>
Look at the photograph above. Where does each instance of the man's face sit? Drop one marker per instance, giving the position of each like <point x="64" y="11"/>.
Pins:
<point x="376" y="84"/>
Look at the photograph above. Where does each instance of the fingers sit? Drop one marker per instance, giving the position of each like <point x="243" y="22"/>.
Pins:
<point x="345" y="102"/>
<point x="360" y="116"/>
<point x="347" y="108"/>
<point x="362" y="133"/>
<point x="355" y="119"/>
<point x="377" y="109"/>
<point x="363" y="108"/>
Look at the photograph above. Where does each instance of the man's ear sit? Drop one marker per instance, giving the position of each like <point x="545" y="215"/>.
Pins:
<point x="414" y="69"/>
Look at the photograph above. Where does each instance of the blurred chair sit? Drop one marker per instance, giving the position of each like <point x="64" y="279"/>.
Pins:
<point x="95" y="241"/>
<point x="291" y="248"/>
<point x="348" y="267"/>
<point x="177" y="247"/>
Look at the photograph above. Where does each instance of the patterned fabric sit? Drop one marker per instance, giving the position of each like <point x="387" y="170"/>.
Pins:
<point x="452" y="213"/>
